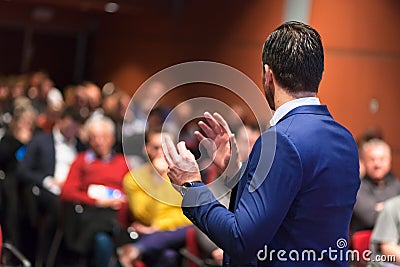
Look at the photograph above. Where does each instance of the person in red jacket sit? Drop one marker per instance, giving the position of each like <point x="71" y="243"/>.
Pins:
<point x="94" y="186"/>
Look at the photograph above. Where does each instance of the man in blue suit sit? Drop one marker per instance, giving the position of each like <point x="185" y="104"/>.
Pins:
<point x="294" y="200"/>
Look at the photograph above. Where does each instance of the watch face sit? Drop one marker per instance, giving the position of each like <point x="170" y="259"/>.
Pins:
<point x="187" y="184"/>
<point x="183" y="190"/>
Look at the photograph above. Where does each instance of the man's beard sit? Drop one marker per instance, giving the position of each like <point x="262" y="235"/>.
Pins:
<point x="269" y="94"/>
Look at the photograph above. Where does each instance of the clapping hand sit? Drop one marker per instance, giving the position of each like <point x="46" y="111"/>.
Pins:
<point x="219" y="142"/>
<point x="182" y="166"/>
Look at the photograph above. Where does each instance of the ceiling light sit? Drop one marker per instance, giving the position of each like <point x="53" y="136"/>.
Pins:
<point x="111" y="7"/>
<point x="43" y="14"/>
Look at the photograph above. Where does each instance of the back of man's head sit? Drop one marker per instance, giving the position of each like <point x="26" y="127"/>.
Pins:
<point x="295" y="55"/>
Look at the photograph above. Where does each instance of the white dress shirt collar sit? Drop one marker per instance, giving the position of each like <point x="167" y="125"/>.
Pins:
<point x="289" y="106"/>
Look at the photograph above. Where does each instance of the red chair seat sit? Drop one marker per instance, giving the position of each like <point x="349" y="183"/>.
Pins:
<point x="360" y="242"/>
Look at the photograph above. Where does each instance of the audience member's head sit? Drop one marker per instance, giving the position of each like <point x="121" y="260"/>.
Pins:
<point x="101" y="135"/>
<point x="69" y="122"/>
<point x="23" y="123"/>
<point x="376" y="156"/>
<point x="372" y="133"/>
<point x="110" y="106"/>
<point x="153" y="143"/>
<point x="37" y="77"/>
<point x="115" y="105"/>
<point x="93" y="94"/>
<point x="21" y="102"/>
<point x="45" y="87"/>
<point x="35" y="80"/>
<point x="17" y="85"/>
<point x="69" y="95"/>
<point x="4" y="90"/>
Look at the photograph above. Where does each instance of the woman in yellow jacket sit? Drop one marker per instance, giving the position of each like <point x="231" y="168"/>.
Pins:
<point x="155" y="206"/>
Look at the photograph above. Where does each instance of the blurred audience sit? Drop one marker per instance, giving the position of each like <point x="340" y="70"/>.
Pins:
<point x="41" y="136"/>
<point x="34" y="163"/>
<point x="94" y="187"/>
<point x="378" y="185"/>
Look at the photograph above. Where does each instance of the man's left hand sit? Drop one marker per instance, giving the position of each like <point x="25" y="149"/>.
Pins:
<point x="182" y="165"/>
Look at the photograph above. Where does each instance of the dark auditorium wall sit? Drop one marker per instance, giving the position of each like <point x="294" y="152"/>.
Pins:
<point x="361" y="40"/>
<point x="130" y="49"/>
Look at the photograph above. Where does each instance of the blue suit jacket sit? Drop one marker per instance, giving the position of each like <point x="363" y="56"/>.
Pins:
<point x="294" y="199"/>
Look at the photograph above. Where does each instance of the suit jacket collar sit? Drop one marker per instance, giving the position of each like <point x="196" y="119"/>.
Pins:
<point x="308" y="109"/>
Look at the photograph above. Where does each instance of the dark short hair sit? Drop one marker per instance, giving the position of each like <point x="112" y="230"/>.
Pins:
<point x="295" y="55"/>
<point x="73" y="113"/>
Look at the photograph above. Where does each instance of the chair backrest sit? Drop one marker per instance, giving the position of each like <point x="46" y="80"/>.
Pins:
<point x="360" y="242"/>
<point x="192" y="245"/>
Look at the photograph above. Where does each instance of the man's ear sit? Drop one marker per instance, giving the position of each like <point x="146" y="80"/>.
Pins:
<point x="268" y="77"/>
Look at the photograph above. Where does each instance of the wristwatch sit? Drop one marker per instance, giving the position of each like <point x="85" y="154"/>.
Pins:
<point x="185" y="187"/>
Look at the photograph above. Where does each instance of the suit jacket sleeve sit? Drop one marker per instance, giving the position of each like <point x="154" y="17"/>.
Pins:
<point x="261" y="206"/>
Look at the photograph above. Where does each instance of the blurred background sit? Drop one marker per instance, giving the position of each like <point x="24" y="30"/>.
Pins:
<point x="127" y="41"/>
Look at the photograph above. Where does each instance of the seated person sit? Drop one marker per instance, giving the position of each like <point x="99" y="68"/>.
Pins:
<point x="378" y="185"/>
<point x="385" y="240"/>
<point x="13" y="147"/>
<point x="95" y="183"/>
<point x="42" y="173"/>
<point x="155" y="206"/>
